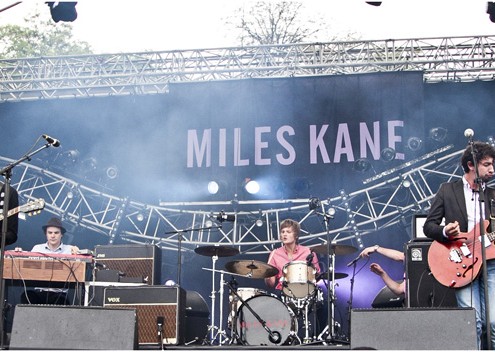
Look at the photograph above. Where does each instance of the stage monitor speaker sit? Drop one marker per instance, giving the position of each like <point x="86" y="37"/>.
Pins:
<point x="423" y="290"/>
<point x="135" y="261"/>
<point x="152" y="303"/>
<point x="414" y="329"/>
<point x="51" y="327"/>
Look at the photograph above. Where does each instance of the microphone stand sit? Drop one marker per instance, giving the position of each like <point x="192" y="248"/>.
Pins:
<point x="179" y="248"/>
<point x="481" y="202"/>
<point x="7" y="173"/>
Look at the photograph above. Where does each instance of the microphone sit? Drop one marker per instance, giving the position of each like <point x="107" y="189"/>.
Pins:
<point x="225" y="217"/>
<point x="469" y="133"/>
<point x="354" y="261"/>
<point x="52" y="141"/>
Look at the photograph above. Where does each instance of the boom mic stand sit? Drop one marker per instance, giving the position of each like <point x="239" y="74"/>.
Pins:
<point x="7" y="173"/>
<point x="481" y="203"/>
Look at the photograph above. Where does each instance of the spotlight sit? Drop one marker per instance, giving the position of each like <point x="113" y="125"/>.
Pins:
<point x="251" y="186"/>
<point x="64" y="11"/>
<point x="314" y="203"/>
<point x="139" y="217"/>
<point x="361" y="165"/>
<point x="414" y="143"/>
<point x="331" y="212"/>
<point x="112" y="172"/>
<point x="259" y="222"/>
<point x="490" y="9"/>
<point x="406" y="183"/>
<point x="387" y="154"/>
<point x="213" y="187"/>
<point x="438" y="134"/>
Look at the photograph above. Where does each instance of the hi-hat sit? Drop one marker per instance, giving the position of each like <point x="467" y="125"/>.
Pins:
<point x="251" y="268"/>
<point x="219" y="251"/>
<point x="337" y="249"/>
<point x="328" y="276"/>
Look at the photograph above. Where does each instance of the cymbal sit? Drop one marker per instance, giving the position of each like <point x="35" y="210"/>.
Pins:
<point x="337" y="249"/>
<point x="251" y="268"/>
<point x="328" y="276"/>
<point x="219" y="251"/>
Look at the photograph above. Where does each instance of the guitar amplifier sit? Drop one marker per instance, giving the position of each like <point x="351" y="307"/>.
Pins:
<point x="153" y="304"/>
<point x="139" y="262"/>
<point x="423" y="290"/>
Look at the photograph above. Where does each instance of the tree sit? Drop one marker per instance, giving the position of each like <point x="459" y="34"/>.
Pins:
<point x="278" y="22"/>
<point x="39" y="37"/>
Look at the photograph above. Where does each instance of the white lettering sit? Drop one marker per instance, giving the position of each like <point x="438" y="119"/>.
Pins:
<point x="365" y="140"/>
<point x="393" y="138"/>
<point x="316" y="142"/>
<point x="286" y="145"/>
<point x="193" y="148"/>
<point x="237" y="149"/>
<point x="259" y="145"/>
<point x="343" y="143"/>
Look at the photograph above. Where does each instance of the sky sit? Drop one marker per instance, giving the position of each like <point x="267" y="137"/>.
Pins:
<point x="115" y="26"/>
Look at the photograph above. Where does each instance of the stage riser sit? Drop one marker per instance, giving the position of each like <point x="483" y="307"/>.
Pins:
<point x="413" y="329"/>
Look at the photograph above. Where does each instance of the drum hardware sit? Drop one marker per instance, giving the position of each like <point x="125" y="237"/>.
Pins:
<point x="274" y="336"/>
<point x="215" y="252"/>
<point x="331" y="249"/>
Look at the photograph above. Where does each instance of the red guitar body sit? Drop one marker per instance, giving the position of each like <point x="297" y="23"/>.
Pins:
<point x="458" y="262"/>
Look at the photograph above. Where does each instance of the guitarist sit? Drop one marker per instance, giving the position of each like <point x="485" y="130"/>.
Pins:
<point x="13" y="221"/>
<point x="457" y="203"/>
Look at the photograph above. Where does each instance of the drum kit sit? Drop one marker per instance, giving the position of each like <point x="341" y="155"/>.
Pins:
<point x="257" y="317"/>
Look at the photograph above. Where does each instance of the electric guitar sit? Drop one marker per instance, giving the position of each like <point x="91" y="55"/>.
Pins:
<point x="31" y="208"/>
<point x="458" y="262"/>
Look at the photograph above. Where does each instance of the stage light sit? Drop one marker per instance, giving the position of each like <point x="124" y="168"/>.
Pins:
<point x="112" y="172"/>
<point x="490" y="9"/>
<point x="414" y="143"/>
<point x="438" y="134"/>
<point x="387" y="154"/>
<point x="251" y="186"/>
<point x="213" y="187"/>
<point x="259" y="222"/>
<point x="64" y="11"/>
<point x="361" y="165"/>
<point x="140" y="217"/>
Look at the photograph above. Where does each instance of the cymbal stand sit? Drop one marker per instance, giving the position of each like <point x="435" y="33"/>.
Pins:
<point x="212" y="326"/>
<point x="221" y="331"/>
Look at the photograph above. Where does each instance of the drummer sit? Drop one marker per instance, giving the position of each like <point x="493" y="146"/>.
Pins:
<point x="290" y="251"/>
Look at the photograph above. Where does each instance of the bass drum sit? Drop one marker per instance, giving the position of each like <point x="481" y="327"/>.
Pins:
<point x="278" y="318"/>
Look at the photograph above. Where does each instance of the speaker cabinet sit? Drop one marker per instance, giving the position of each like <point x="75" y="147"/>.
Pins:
<point x="137" y="262"/>
<point x="414" y="329"/>
<point x="423" y="290"/>
<point x="152" y="303"/>
<point x="69" y="328"/>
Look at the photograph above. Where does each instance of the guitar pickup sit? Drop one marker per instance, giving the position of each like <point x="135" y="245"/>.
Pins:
<point x="465" y="250"/>
<point x="455" y="256"/>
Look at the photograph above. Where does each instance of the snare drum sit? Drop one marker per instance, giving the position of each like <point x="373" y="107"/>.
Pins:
<point x="298" y="279"/>
<point x="278" y="318"/>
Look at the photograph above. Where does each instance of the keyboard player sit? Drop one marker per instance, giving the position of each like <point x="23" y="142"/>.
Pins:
<point x="54" y="232"/>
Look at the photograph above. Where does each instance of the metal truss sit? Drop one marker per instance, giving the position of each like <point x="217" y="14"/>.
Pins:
<point x="441" y="59"/>
<point x="390" y="198"/>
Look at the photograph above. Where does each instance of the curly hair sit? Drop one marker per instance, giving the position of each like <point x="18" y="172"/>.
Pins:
<point x="482" y="150"/>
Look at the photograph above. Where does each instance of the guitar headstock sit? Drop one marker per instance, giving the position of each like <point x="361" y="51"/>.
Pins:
<point x="33" y="207"/>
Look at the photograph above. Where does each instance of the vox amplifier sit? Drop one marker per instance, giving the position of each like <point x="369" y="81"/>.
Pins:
<point x="141" y="262"/>
<point x="160" y="310"/>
